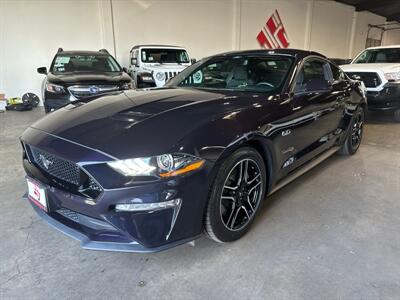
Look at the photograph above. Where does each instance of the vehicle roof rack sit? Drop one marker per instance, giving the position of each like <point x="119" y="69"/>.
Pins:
<point x="60" y="50"/>
<point x="104" y="51"/>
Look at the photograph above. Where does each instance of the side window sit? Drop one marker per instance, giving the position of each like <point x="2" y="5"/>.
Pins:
<point x="337" y="73"/>
<point x="314" y="75"/>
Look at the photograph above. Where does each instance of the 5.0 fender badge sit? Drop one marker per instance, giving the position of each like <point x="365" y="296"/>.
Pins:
<point x="286" y="132"/>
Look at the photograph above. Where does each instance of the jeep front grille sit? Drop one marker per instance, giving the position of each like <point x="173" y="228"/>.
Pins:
<point x="169" y="75"/>
<point x="370" y="79"/>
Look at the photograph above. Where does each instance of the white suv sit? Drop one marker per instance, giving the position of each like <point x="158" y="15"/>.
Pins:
<point x="379" y="69"/>
<point x="154" y="65"/>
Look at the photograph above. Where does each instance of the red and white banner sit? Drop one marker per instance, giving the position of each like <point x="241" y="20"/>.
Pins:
<point x="273" y="35"/>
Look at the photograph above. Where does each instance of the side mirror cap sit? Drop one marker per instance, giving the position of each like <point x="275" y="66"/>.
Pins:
<point x="125" y="69"/>
<point x="42" y="70"/>
<point x="193" y="60"/>
<point x="355" y="77"/>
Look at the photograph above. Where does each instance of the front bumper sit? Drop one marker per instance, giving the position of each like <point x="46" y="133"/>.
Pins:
<point x="386" y="99"/>
<point x="62" y="224"/>
<point x="98" y="225"/>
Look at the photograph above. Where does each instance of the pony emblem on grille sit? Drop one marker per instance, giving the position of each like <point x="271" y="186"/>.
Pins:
<point x="46" y="162"/>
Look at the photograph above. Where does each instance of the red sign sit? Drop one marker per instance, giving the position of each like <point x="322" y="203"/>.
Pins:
<point x="273" y="34"/>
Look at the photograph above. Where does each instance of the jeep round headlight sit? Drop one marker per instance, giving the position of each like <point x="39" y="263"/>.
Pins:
<point x="160" y="76"/>
<point x="165" y="165"/>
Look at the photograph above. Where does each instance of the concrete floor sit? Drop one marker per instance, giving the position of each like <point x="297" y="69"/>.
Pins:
<point x="332" y="234"/>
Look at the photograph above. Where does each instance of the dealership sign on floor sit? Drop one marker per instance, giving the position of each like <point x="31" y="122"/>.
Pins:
<point x="273" y="35"/>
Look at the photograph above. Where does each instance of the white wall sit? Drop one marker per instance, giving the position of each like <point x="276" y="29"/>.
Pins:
<point x="203" y="26"/>
<point x="392" y="37"/>
<point x="32" y="30"/>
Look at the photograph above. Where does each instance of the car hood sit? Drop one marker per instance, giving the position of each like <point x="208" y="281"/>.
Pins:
<point x="88" y="78"/>
<point x="387" y="67"/>
<point x="137" y="123"/>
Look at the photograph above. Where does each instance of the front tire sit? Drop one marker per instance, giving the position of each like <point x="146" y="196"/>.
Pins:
<point x="354" y="137"/>
<point x="236" y="195"/>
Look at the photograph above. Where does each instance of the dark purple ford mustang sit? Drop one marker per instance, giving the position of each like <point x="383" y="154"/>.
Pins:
<point x="147" y="170"/>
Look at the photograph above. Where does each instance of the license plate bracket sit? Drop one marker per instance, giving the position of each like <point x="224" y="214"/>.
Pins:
<point x="37" y="194"/>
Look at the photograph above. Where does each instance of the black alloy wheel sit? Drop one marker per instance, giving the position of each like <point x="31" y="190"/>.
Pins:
<point x="236" y="195"/>
<point x="354" y="138"/>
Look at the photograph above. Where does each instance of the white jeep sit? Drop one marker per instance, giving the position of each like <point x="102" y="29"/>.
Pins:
<point x="154" y="65"/>
<point x="379" y="69"/>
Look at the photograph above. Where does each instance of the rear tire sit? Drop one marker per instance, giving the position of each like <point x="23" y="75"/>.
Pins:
<point x="354" y="137"/>
<point x="397" y="115"/>
<point x="235" y="196"/>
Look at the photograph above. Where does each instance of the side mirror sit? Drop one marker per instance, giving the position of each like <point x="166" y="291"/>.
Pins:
<point x="133" y="61"/>
<point x="355" y="77"/>
<point x="42" y="70"/>
<point x="193" y="60"/>
<point x="125" y="69"/>
<point x="317" y="84"/>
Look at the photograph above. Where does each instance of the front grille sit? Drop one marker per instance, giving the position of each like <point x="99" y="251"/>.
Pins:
<point x="370" y="79"/>
<point x="169" y="75"/>
<point x="57" y="167"/>
<point x="82" y="91"/>
<point x="67" y="171"/>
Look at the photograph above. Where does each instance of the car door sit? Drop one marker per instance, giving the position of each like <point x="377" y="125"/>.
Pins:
<point x="316" y="108"/>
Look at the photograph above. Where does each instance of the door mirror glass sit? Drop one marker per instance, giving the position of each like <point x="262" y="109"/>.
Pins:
<point x="193" y="61"/>
<point x="317" y="84"/>
<point x="133" y="61"/>
<point x="42" y="70"/>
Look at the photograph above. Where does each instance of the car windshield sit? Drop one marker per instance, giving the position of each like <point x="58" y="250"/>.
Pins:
<point x="389" y="55"/>
<point x="85" y="63"/>
<point x="258" y="73"/>
<point x="160" y="55"/>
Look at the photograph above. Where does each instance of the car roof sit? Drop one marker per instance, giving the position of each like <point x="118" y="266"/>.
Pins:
<point x="157" y="46"/>
<point x="299" y="53"/>
<point x="80" y="52"/>
<point x="385" y="47"/>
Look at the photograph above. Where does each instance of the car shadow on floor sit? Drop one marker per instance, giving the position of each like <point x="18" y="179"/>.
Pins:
<point x="384" y="117"/>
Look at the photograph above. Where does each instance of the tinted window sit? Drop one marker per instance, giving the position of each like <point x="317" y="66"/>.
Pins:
<point x="164" y="56"/>
<point x="390" y="55"/>
<point x="337" y="74"/>
<point x="85" y="63"/>
<point x="312" y="73"/>
<point x="265" y="73"/>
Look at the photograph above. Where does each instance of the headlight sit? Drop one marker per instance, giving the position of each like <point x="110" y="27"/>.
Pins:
<point x="392" y="76"/>
<point x="166" y="165"/>
<point x="146" y="77"/>
<point x="160" y="76"/>
<point x="54" y="88"/>
<point x="127" y="86"/>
